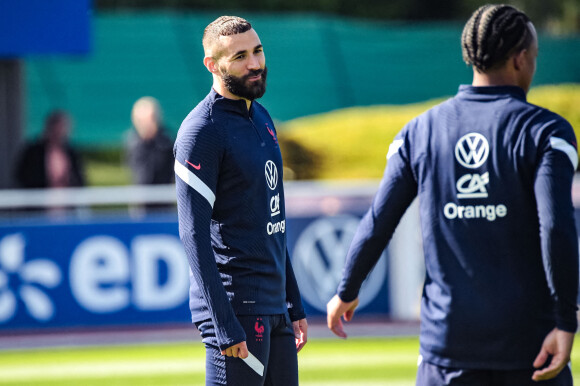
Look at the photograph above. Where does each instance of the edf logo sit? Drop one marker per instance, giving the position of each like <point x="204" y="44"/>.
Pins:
<point x="30" y="278"/>
<point x="122" y="276"/>
<point x="472" y="150"/>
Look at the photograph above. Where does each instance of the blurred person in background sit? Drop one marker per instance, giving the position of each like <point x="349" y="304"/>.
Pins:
<point x="149" y="150"/>
<point x="51" y="161"/>
<point x="244" y="298"/>
<point x="493" y="175"/>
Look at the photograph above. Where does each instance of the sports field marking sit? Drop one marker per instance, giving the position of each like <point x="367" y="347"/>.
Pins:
<point x="358" y="360"/>
<point x="349" y="382"/>
<point x="96" y="369"/>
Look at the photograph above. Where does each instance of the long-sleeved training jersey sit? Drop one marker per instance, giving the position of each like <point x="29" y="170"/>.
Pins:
<point x="493" y="177"/>
<point x="232" y="220"/>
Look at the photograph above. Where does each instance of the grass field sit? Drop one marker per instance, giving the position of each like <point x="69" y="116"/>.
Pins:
<point x="324" y="362"/>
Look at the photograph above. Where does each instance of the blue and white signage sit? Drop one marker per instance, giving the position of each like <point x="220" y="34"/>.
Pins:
<point x="92" y="274"/>
<point x="123" y="272"/>
<point x="318" y="256"/>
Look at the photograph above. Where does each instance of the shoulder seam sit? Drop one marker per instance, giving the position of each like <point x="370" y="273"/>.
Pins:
<point x="218" y="127"/>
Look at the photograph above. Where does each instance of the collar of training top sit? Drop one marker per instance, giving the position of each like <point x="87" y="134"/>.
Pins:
<point x="487" y="92"/>
<point x="233" y="105"/>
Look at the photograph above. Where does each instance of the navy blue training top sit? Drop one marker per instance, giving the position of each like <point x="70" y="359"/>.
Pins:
<point x="232" y="221"/>
<point x="493" y="175"/>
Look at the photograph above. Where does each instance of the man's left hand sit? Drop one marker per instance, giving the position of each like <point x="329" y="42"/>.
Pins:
<point x="336" y="309"/>
<point x="558" y="344"/>
<point x="300" y="333"/>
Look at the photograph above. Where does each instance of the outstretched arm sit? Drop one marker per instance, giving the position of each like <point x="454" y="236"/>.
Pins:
<point x="552" y="187"/>
<point x="397" y="190"/>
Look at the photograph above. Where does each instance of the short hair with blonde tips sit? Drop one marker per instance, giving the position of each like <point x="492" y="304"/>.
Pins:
<point x="222" y="26"/>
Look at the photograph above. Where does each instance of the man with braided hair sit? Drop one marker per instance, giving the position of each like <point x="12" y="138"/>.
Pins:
<point x="493" y="174"/>
<point x="244" y="298"/>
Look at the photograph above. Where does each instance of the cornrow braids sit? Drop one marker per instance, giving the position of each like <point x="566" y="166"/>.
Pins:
<point x="224" y="26"/>
<point x="492" y="34"/>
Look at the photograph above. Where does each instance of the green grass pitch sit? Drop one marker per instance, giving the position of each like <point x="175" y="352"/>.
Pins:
<point x="323" y="362"/>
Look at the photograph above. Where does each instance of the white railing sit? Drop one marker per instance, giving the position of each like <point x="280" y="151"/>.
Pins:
<point x="93" y="196"/>
<point x="300" y="195"/>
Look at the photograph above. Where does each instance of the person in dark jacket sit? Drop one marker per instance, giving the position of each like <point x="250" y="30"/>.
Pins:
<point x="244" y="298"/>
<point x="51" y="161"/>
<point x="149" y="148"/>
<point x="493" y="176"/>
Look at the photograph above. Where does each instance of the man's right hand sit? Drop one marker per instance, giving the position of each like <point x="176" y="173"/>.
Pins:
<point x="237" y="350"/>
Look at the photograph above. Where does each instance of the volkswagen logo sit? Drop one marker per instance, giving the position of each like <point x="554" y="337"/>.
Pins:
<point x="318" y="259"/>
<point x="472" y="150"/>
<point x="271" y="175"/>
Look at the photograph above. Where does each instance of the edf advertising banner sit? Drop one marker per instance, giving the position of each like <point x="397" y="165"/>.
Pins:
<point x="92" y="274"/>
<point x="117" y="272"/>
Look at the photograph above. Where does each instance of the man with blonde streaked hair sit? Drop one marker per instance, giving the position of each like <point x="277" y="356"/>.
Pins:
<point x="244" y="298"/>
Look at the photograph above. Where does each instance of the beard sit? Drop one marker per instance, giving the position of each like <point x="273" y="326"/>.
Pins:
<point x="240" y="86"/>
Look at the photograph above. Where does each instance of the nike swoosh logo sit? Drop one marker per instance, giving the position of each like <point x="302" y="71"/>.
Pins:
<point x="196" y="167"/>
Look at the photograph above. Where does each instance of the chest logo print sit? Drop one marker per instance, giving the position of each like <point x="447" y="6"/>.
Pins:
<point x="271" y="175"/>
<point x="259" y="328"/>
<point x="472" y="185"/>
<point x="272" y="134"/>
<point x="472" y="150"/>
<point x="196" y="167"/>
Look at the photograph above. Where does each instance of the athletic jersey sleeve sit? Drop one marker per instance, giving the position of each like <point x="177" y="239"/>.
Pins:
<point x="198" y="152"/>
<point x="397" y="190"/>
<point x="293" y="300"/>
<point x="558" y="160"/>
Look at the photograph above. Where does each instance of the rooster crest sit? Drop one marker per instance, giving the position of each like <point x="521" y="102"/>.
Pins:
<point x="259" y="329"/>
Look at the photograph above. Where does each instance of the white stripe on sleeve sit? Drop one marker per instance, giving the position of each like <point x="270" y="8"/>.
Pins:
<point x="192" y="180"/>
<point x="394" y="147"/>
<point x="569" y="150"/>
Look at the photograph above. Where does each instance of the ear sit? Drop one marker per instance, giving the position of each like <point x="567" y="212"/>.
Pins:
<point x="519" y="59"/>
<point x="211" y="65"/>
